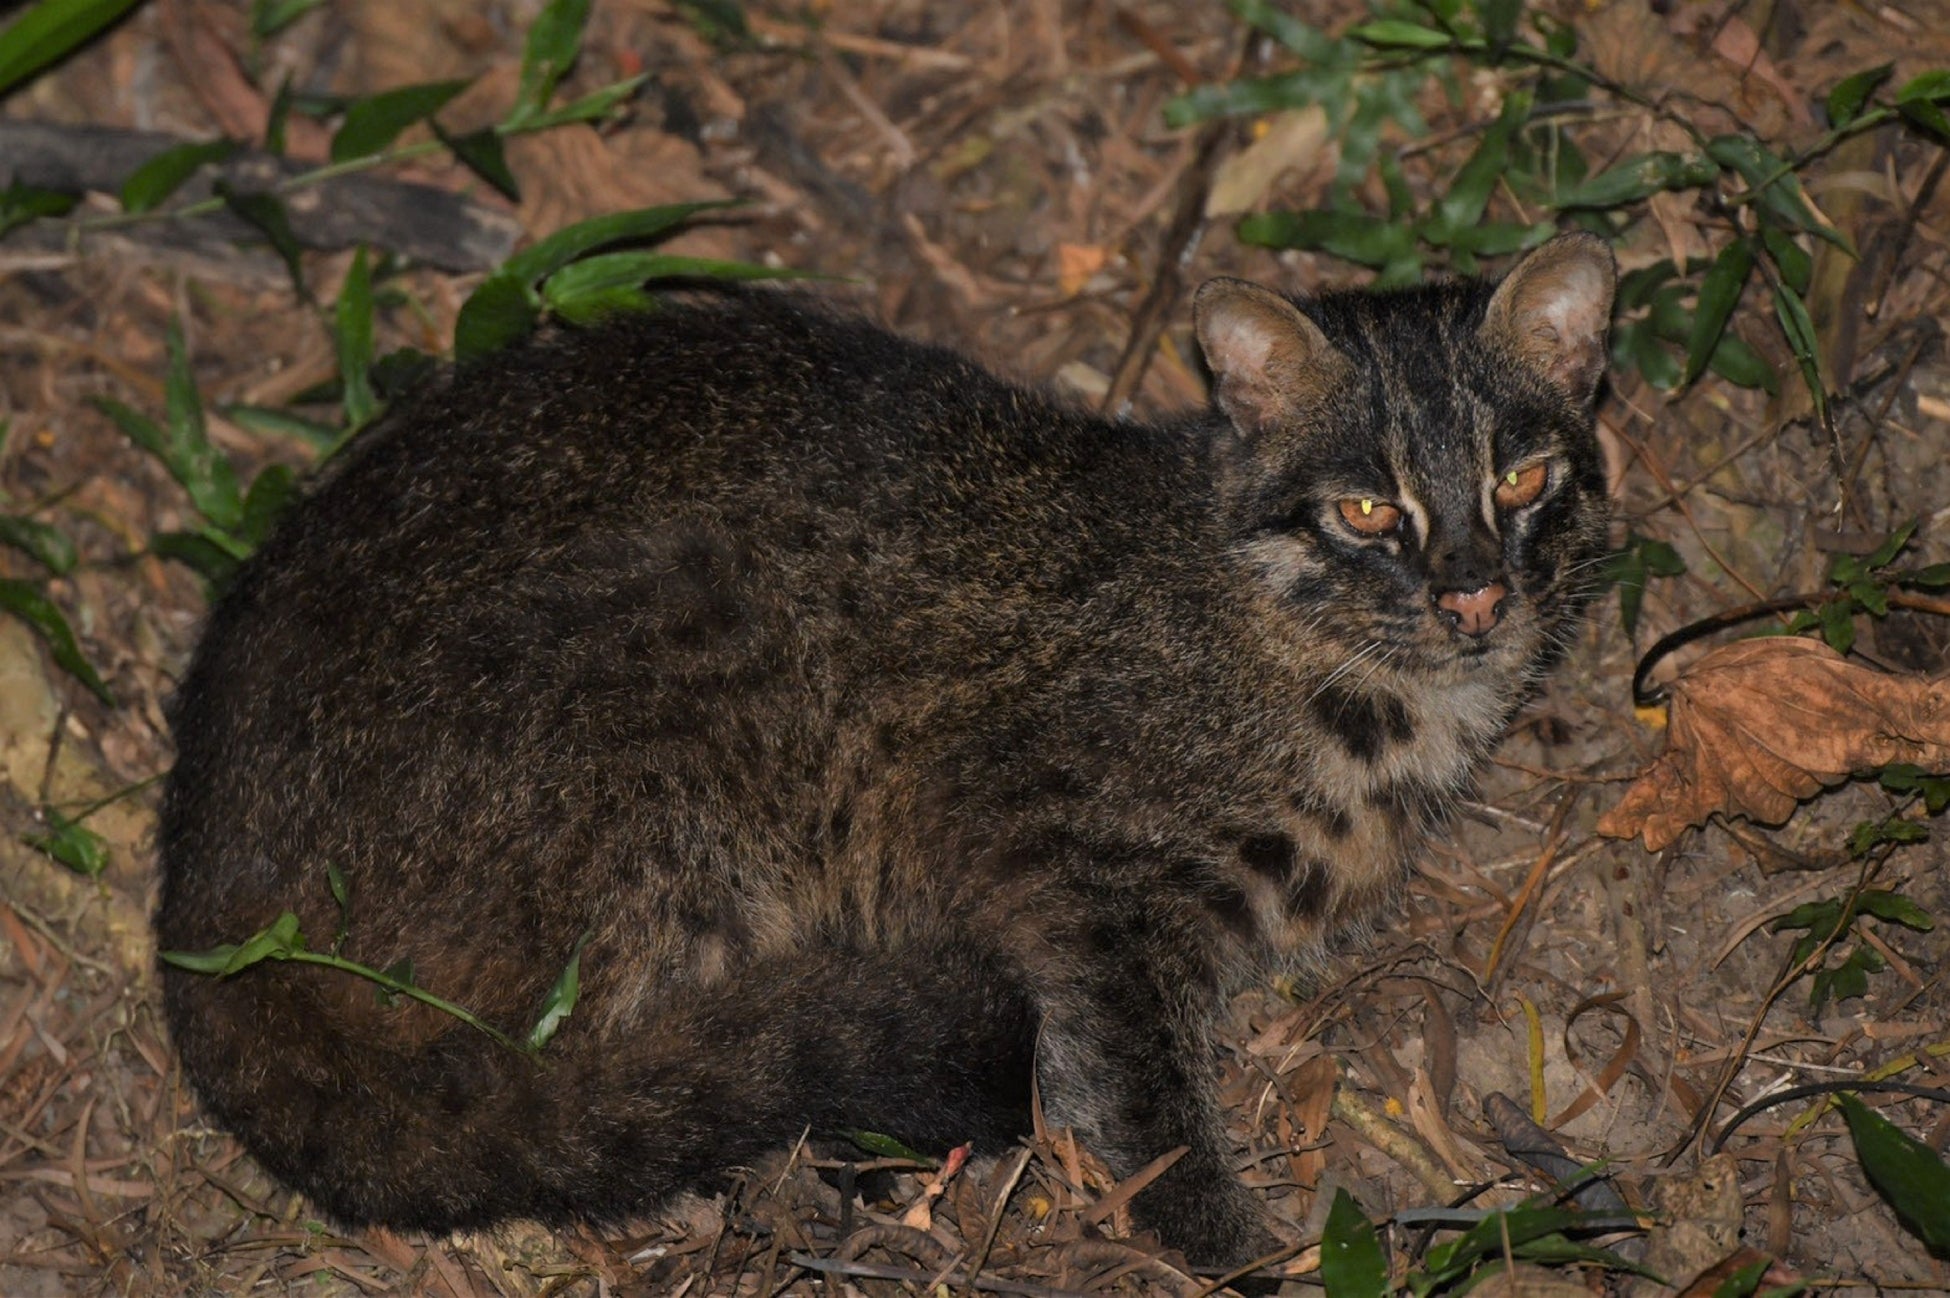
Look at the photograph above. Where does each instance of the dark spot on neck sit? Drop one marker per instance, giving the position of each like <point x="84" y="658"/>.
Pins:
<point x="1332" y="820"/>
<point x="1269" y="854"/>
<point x="1361" y="722"/>
<point x="1307" y="892"/>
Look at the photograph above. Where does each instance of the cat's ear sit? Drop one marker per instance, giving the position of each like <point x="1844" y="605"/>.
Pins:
<point x="1267" y="357"/>
<point x="1554" y="309"/>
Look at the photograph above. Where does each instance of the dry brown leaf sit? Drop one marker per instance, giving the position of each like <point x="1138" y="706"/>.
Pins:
<point x="1760" y="724"/>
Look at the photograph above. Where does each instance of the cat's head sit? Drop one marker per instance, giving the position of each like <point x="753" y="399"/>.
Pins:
<point x="1415" y="470"/>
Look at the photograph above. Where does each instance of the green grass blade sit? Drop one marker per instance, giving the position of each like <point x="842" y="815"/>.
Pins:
<point x="25" y="601"/>
<point x="554" y="40"/>
<point x="1907" y="1172"/>
<point x="155" y="180"/>
<point x="1719" y="293"/>
<point x="44" y="542"/>
<point x="571" y="243"/>
<point x="373" y="123"/>
<point x="49" y="32"/>
<point x="352" y="337"/>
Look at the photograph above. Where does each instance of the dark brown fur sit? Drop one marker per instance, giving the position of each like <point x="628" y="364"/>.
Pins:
<point x="892" y="731"/>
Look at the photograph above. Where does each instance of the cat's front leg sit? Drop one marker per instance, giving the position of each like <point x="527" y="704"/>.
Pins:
<point x="1125" y="1058"/>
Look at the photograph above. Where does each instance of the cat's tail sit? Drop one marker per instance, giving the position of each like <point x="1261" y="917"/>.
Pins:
<point x="931" y="1045"/>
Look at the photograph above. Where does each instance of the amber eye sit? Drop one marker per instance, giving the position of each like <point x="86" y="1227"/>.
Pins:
<point x="1519" y="487"/>
<point x="1370" y="517"/>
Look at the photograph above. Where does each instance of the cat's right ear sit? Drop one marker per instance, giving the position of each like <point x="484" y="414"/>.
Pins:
<point x="1267" y="357"/>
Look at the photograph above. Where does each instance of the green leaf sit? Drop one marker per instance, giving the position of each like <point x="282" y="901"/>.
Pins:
<point x="1355" y="236"/>
<point x="1928" y="87"/>
<point x="43" y="541"/>
<point x="1719" y="294"/>
<point x="1352" y="1264"/>
<point x="271" y="492"/>
<point x="71" y="843"/>
<point x="352" y="335"/>
<point x="373" y="123"/>
<point x="155" y="180"/>
<point x="500" y="311"/>
<point x="265" y="212"/>
<point x="1247" y="97"/>
<point x="342" y="898"/>
<point x="282" y="423"/>
<point x="279" y="940"/>
<point x="554" y="39"/>
<point x="202" y="552"/>
<point x="592" y="107"/>
<point x="1777" y="190"/>
<point x="1795" y="265"/>
<point x="269" y="17"/>
<point x="481" y="153"/>
<point x="1907" y="1172"/>
<point x="277" y="118"/>
<point x="721" y="22"/>
<point x="1488" y="1238"/>
<point x="1891" y="546"/>
<point x="1838" y="625"/>
<point x="20" y="204"/>
<point x="49" y="32"/>
<point x="26" y="602"/>
<point x="1470" y="188"/>
<point x="1500" y="21"/>
<point x="1800" y="333"/>
<point x="1937" y="574"/>
<point x="561" y="999"/>
<point x="1850" y="93"/>
<point x="887" y="1147"/>
<point x="1894" y="908"/>
<point x="201" y="469"/>
<point x="571" y="243"/>
<point x="1638" y="177"/>
<point x="1394" y="33"/>
<point x="596" y="286"/>
<point x="1736" y="362"/>
<point x="1927" y="117"/>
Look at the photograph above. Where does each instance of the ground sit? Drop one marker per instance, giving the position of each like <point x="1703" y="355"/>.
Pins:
<point x="1003" y="177"/>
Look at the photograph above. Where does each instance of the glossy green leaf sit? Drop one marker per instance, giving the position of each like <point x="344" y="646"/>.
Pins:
<point x="887" y="1147"/>
<point x="1907" y="1172"/>
<point x="592" y="107"/>
<point x="1894" y="908"/>
<point x="1850" y="93"/>
<point x="1511" y="1229"/>
<point x="1469" y="190"/>
<point x="50" y="31"/>
<point x="1838" y="625"/>
<point x="1892" y="545"/>
<point x="25" y="601"/>
<point x="1927" y="117"/>
<point x="554" y="40"/>
<point x="1355" y="236"/>
<point x="1719" y="294"/>
<point x="1736" y="362"/>
<point x="1352" y="1263"/>
<point x="1777" y="190"/>
<point x="1927" y="87"/>
<point x="1795" y="265"/>
<point x="71" y="843"/>
<point x="279" y="940"/>
<point x="283" y="423"/>
<point x="204" y="553"/>
<point x="1936" y="574"/>
<point x="352" y="337"/>
<point x="271" y="492"/>
<point x="586" y="290"/>
<point x="561" y="999"/>
<point x="500" y="311"/>
<point x="20" y="204"/>
<point x="161" y="176"/>
<point x="373" y="123"/>
<point x="571" y="243"/>
<point x="265" y="212"/>
<point x="1637" y="177"/>
<point x="1395" y="33"/>
<point x="46" y="543"/>
<point x="481" y="153"/>
<point x="1800" y="333"/>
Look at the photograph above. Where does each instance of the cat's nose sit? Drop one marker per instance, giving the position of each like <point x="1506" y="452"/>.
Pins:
<point x="1472" y="612"/>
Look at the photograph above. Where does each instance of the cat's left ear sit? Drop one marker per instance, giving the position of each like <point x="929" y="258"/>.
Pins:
<point x="1268" y="359"/>
<point x="1554" y="309"/>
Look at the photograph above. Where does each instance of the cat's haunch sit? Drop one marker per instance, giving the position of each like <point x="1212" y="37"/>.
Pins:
<point x="892" y="734"/>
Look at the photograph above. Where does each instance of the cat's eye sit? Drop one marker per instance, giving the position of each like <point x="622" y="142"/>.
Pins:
<point x="1519" y="487"/>
<point x="1370" y="517"/>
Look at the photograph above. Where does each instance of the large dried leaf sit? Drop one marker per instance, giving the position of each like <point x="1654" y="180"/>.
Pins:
<point x="1760" y="724"/>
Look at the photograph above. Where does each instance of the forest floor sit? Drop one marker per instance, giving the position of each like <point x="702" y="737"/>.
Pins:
<point x="1003" y="177"/>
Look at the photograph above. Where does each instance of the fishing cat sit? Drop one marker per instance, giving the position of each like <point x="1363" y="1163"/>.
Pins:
<point x="886" y="734"/>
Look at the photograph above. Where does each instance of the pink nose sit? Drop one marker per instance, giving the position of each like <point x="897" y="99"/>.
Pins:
<point x="1473" y="612"/>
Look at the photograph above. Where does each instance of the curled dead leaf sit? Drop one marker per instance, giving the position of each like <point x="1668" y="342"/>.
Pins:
<point x="1758" y="725"/>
